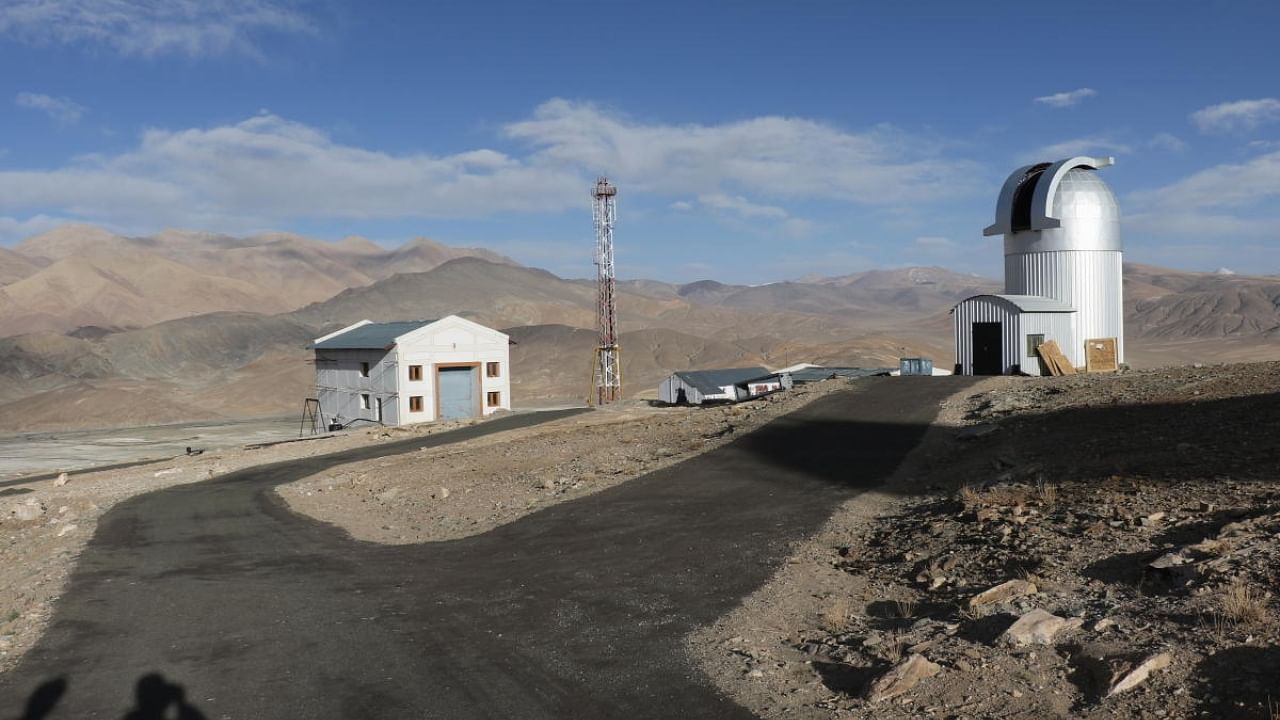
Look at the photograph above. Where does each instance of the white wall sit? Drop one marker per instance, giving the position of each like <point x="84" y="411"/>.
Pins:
<point x="1091" y="281"/>
<point x="448" y="341"/>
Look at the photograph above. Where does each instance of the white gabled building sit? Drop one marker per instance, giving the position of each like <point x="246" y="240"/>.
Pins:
<point x="401" y="373"/>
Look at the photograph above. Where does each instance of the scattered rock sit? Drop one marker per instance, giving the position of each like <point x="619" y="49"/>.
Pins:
<point x="62" y="480"/>
<point x="1169" y="560"/>
<point x="974" y="432"/>
<point x="1127" y="679"/>
<point x="444" y="493"/>
<point x="1037" y="627"/>
<point x="66" y="530"/>
<point x="169" y="471"/>
<point x="29" y="510"/>
<point x="1003" y="591"/>
<point x="1103" y="624"/>
<point x="904" y="676"/>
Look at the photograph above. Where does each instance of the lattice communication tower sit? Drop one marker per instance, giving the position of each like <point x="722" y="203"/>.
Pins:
<point x="606" y="366"/>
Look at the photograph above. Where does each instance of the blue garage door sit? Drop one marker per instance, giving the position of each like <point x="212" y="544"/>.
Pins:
<point x="459" y="392"/>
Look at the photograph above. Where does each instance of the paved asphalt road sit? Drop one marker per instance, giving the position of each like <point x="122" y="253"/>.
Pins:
<point x="576" y="611"/>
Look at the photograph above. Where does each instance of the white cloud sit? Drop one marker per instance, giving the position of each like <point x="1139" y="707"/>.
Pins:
<point x="62" y="109"/>
<point x="769" y="219"/>
<point x="741" y="206"/>
<point x="934" y="242"/>
<point x="149" y="28"/>
<point x="1228" y="200"/>
<point x="1092" y="145"/>
<point x="1066" y="99"/>
<point x="681" y="205"/>
<point x="12" y="229"/>
<point x="268" y="171"/>
<point x="776" y="156"/>
<point x="1167" y="142"/>
<point x="1227" y="185"/>
<point x="932" y="249"/>
<point x="1238" y="115"/>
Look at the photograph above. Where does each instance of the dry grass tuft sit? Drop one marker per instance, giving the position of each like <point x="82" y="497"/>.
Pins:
<point x="893" y="649"/>
<point x="905" y="608"/>
<point x="1215" y="623"/>
<point x="970" y="497"/>
<point x="1242" y="605"/>
<point x="1047" y="493"/>
<point x="835" y="617"/>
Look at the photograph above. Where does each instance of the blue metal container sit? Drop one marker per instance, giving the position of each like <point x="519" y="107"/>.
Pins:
<point x="915" y="366"/>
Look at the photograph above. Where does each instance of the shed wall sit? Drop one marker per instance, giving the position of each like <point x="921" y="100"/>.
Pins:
<point x="669" y="391"/>
<point x="1057" y="326"/>
<point x="339" y="384"/>
<point x="981" y="309"/>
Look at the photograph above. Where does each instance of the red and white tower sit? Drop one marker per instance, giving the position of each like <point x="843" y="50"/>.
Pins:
<point x="606" y="367"/>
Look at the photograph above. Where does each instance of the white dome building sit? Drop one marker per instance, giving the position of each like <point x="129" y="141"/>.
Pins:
<point x="1062" y="272"/>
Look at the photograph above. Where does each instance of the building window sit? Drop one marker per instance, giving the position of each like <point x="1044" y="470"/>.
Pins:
<point x="364" y="369"/>
<point x="495" y="399"/>
<point x="491" y="369"/>
<point x="415" y="372"/>
<point x="415" y="403"/>
<point x="364" y="402"/>
<point x="1033" y="342"/>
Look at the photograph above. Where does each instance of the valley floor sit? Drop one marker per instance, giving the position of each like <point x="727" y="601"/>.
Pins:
<point x="33" y="453"/>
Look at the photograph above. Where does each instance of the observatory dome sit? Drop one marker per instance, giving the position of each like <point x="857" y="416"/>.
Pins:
<point x="1061" y="228"/>
<point x="1088" y="211"/>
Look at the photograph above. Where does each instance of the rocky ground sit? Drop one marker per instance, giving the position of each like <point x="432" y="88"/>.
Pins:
<point x="1096" y="546"/>
<point x="458" y="490"/>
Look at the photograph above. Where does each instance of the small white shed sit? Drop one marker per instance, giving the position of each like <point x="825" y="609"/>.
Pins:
<point x="695" y="387"/>
<point x="402" y="373"/>
<point x="998" y="334"/>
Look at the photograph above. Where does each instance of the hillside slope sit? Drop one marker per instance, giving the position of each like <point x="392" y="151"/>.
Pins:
<point x="79" y="275"/>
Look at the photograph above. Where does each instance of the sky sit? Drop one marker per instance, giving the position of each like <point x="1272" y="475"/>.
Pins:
<point x="751" y="141"/>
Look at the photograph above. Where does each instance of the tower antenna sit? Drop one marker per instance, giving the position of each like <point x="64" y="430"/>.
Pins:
<point x="606" y="365"/>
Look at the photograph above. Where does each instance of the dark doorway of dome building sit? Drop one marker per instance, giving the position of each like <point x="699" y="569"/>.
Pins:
<point x="986" y="349"/>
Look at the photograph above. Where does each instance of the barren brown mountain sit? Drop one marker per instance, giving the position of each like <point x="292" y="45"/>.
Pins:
<point x="80" y="369"/>
<point x="80" y="275"/>
<point x="14" y="267"/>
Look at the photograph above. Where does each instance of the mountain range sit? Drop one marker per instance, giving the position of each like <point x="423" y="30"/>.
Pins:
<point x="98" y="329"/>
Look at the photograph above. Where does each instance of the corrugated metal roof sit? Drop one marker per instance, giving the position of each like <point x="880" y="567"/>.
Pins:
<point x="374" y="336"/>
<point x="1030" y="303"/>
<point x="710" y="381"/>
<point x="816" y="374"/>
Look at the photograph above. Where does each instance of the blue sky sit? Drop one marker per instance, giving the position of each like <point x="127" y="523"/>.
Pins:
<point x="751" y="141"/>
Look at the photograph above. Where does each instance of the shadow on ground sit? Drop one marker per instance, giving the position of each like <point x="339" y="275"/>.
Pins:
<point x="576" y="610"/>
